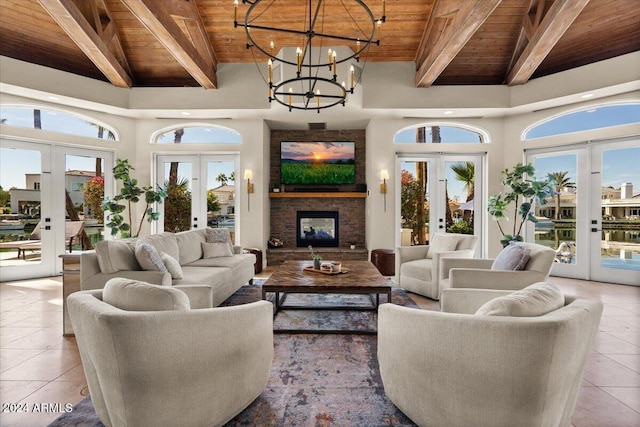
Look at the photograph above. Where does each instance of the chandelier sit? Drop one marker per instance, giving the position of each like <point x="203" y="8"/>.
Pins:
<point x="328" y="36"/>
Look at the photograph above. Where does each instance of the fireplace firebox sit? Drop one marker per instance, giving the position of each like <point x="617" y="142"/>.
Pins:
<point x="317" y="228"/>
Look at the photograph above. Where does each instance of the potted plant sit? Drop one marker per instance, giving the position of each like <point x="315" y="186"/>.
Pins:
<point x="352" y="244"/>
<point x="523" y="192"/>
<point x="130" y="193"/>
<point x="316" y="258"/>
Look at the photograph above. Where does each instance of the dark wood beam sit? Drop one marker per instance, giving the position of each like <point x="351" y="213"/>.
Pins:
<point x="192" y="50"/>
<point x="451" y="24"/>
<point x="74" y="23"/>
<point x="546" y="34"/>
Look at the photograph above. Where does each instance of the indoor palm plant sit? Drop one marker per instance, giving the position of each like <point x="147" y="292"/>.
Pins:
<point x="130" y="193"/>
<point x="523" y="192"/>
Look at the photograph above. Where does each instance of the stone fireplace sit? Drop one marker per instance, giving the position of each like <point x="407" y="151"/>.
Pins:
<point x="347" y="202"/>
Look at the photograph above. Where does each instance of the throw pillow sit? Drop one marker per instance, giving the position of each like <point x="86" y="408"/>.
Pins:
<point x="442" y="243"/>
<point x="216" y="250"/>
<point x="133" y="295"/>
<point x="148" y="257"/>
<point x="219" y="235"/>
<point x="534" y="300"/>
<point x="172" y="264"/>
<point x="116" y="255"/>
<point x="513" y="257"/>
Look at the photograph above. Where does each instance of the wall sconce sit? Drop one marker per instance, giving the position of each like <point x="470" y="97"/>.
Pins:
<point x="248" y="175"/>
<point x="384" y="176"/>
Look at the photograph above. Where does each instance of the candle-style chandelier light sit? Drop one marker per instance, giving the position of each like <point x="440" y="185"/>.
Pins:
<point x="328" y="36"/>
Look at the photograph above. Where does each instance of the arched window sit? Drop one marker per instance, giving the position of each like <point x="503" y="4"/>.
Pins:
<point x="197" y="134"/>
<point x="441" y="133"/>
<point x="585" y="119"/>
<point x="56" y="121"/>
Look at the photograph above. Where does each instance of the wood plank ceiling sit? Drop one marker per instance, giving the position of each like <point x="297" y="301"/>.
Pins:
<point x="452" y="42"/>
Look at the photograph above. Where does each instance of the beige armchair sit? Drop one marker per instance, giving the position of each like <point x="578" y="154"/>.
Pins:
<point x="478" y="273"/>
<point x="418" y="267"/>
<point x="457" y="369"/>
<point x="172" y="367"/>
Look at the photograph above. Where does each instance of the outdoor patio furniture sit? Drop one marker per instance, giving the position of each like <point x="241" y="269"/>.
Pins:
<point x="72" y="234"/>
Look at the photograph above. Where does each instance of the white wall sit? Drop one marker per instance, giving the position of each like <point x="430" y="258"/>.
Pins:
<point x="389" y="100"/>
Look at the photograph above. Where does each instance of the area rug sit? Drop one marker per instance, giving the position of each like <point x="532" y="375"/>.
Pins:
<point x="316" y="380"/>
<point x="313" y="320"/>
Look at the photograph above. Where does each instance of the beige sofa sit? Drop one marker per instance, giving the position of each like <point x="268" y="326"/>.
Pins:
<point x="457" y="368"/>
<point x="418" y="267"/>
<point x="150" y="360"/>
<point x="206" y="281"/>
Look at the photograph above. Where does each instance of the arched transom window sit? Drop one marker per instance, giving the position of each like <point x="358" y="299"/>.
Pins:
<point x="197" y="134"/>
<point x="55" y="121"/>
<point x="441" y="134"/>
<point x="590" y="118"/>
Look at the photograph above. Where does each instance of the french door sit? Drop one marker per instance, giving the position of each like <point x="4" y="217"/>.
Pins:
<point x="201" y="191"/>
<point x="593" y="218"/>
<point x="437" y="194"/>
<point x="43" y="187"/>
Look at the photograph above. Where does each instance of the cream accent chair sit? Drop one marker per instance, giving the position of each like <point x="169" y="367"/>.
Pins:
<point x="176" y="367"/>
<point x="418" y="267"/>
<point x="477" y="272"/>
<point x="457" y="369"/>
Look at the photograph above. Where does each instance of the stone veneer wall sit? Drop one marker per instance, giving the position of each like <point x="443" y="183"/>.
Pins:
<point x="357" y="136"/>
<point x="351" y="210"/>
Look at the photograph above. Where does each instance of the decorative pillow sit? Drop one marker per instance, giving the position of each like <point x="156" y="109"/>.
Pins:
<point x="442" y="243"/>
<point x="216" y="250"/>
<point x="172" y="264"/>
<point x="133" y="295"/>
<point x="534" y="300"/>
<point x="148" y="257"/>
<point x="116" y="255"/>
<point x="219" y="235"/>
<point x="513" y="257"/>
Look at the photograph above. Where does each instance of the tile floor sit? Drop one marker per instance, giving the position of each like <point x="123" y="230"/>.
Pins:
<point x="40" y="366"/>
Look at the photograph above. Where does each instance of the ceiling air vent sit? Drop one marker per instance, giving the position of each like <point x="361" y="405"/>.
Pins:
<point x="317" y="126"/>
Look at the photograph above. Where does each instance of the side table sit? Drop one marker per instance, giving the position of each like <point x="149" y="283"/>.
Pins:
<point x="385" y="261"/>
<point x="258" y="253"/>
<point x="70" y="284"/>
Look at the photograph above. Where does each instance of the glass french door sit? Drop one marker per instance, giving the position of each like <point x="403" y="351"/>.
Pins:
<point x="201" y="191"/>
<point x="43" y="187"/>
<point x="592" y="220"/>
<point x="438" y="193"/>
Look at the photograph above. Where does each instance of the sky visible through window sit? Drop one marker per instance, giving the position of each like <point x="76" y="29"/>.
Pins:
<point x="55" y="121"/>
<point x="202" y="135"/>
<point x="587" y="119"/>
<point x="448" y="134"/>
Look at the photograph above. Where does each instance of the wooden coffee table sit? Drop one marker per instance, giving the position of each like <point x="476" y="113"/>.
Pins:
<point x="291" y="278"/>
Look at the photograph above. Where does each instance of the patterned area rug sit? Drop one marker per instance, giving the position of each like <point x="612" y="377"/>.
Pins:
<point x="316" y="380"/>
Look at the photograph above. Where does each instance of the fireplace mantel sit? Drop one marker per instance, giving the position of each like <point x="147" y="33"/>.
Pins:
<point x="312" y="195"/>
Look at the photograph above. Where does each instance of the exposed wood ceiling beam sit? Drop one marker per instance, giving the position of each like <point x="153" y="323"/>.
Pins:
<point x="74" y="23"/>
<point x="545" y="35"/>
<point x="451" y="24"/>
<point x="191" y="49"/>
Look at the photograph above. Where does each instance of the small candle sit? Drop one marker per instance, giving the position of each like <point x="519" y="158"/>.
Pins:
<point x="290" y="95"/>
<point x="384" y="7"/>
<point x="270" y="70"/>
<point x="299" y="58"/>
<point x="352" y="76"/>
<point x="271" y="46"/>
<point x="329" y="55"/>
<point x="235" y="10"/>
<point x="378" y="28"/>
<point x="333" y="56"/>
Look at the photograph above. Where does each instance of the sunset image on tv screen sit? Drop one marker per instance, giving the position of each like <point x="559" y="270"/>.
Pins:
<point x="323" y="163"/>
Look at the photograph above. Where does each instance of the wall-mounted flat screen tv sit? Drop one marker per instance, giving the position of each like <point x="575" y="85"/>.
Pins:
<point x="321" y="163"/>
